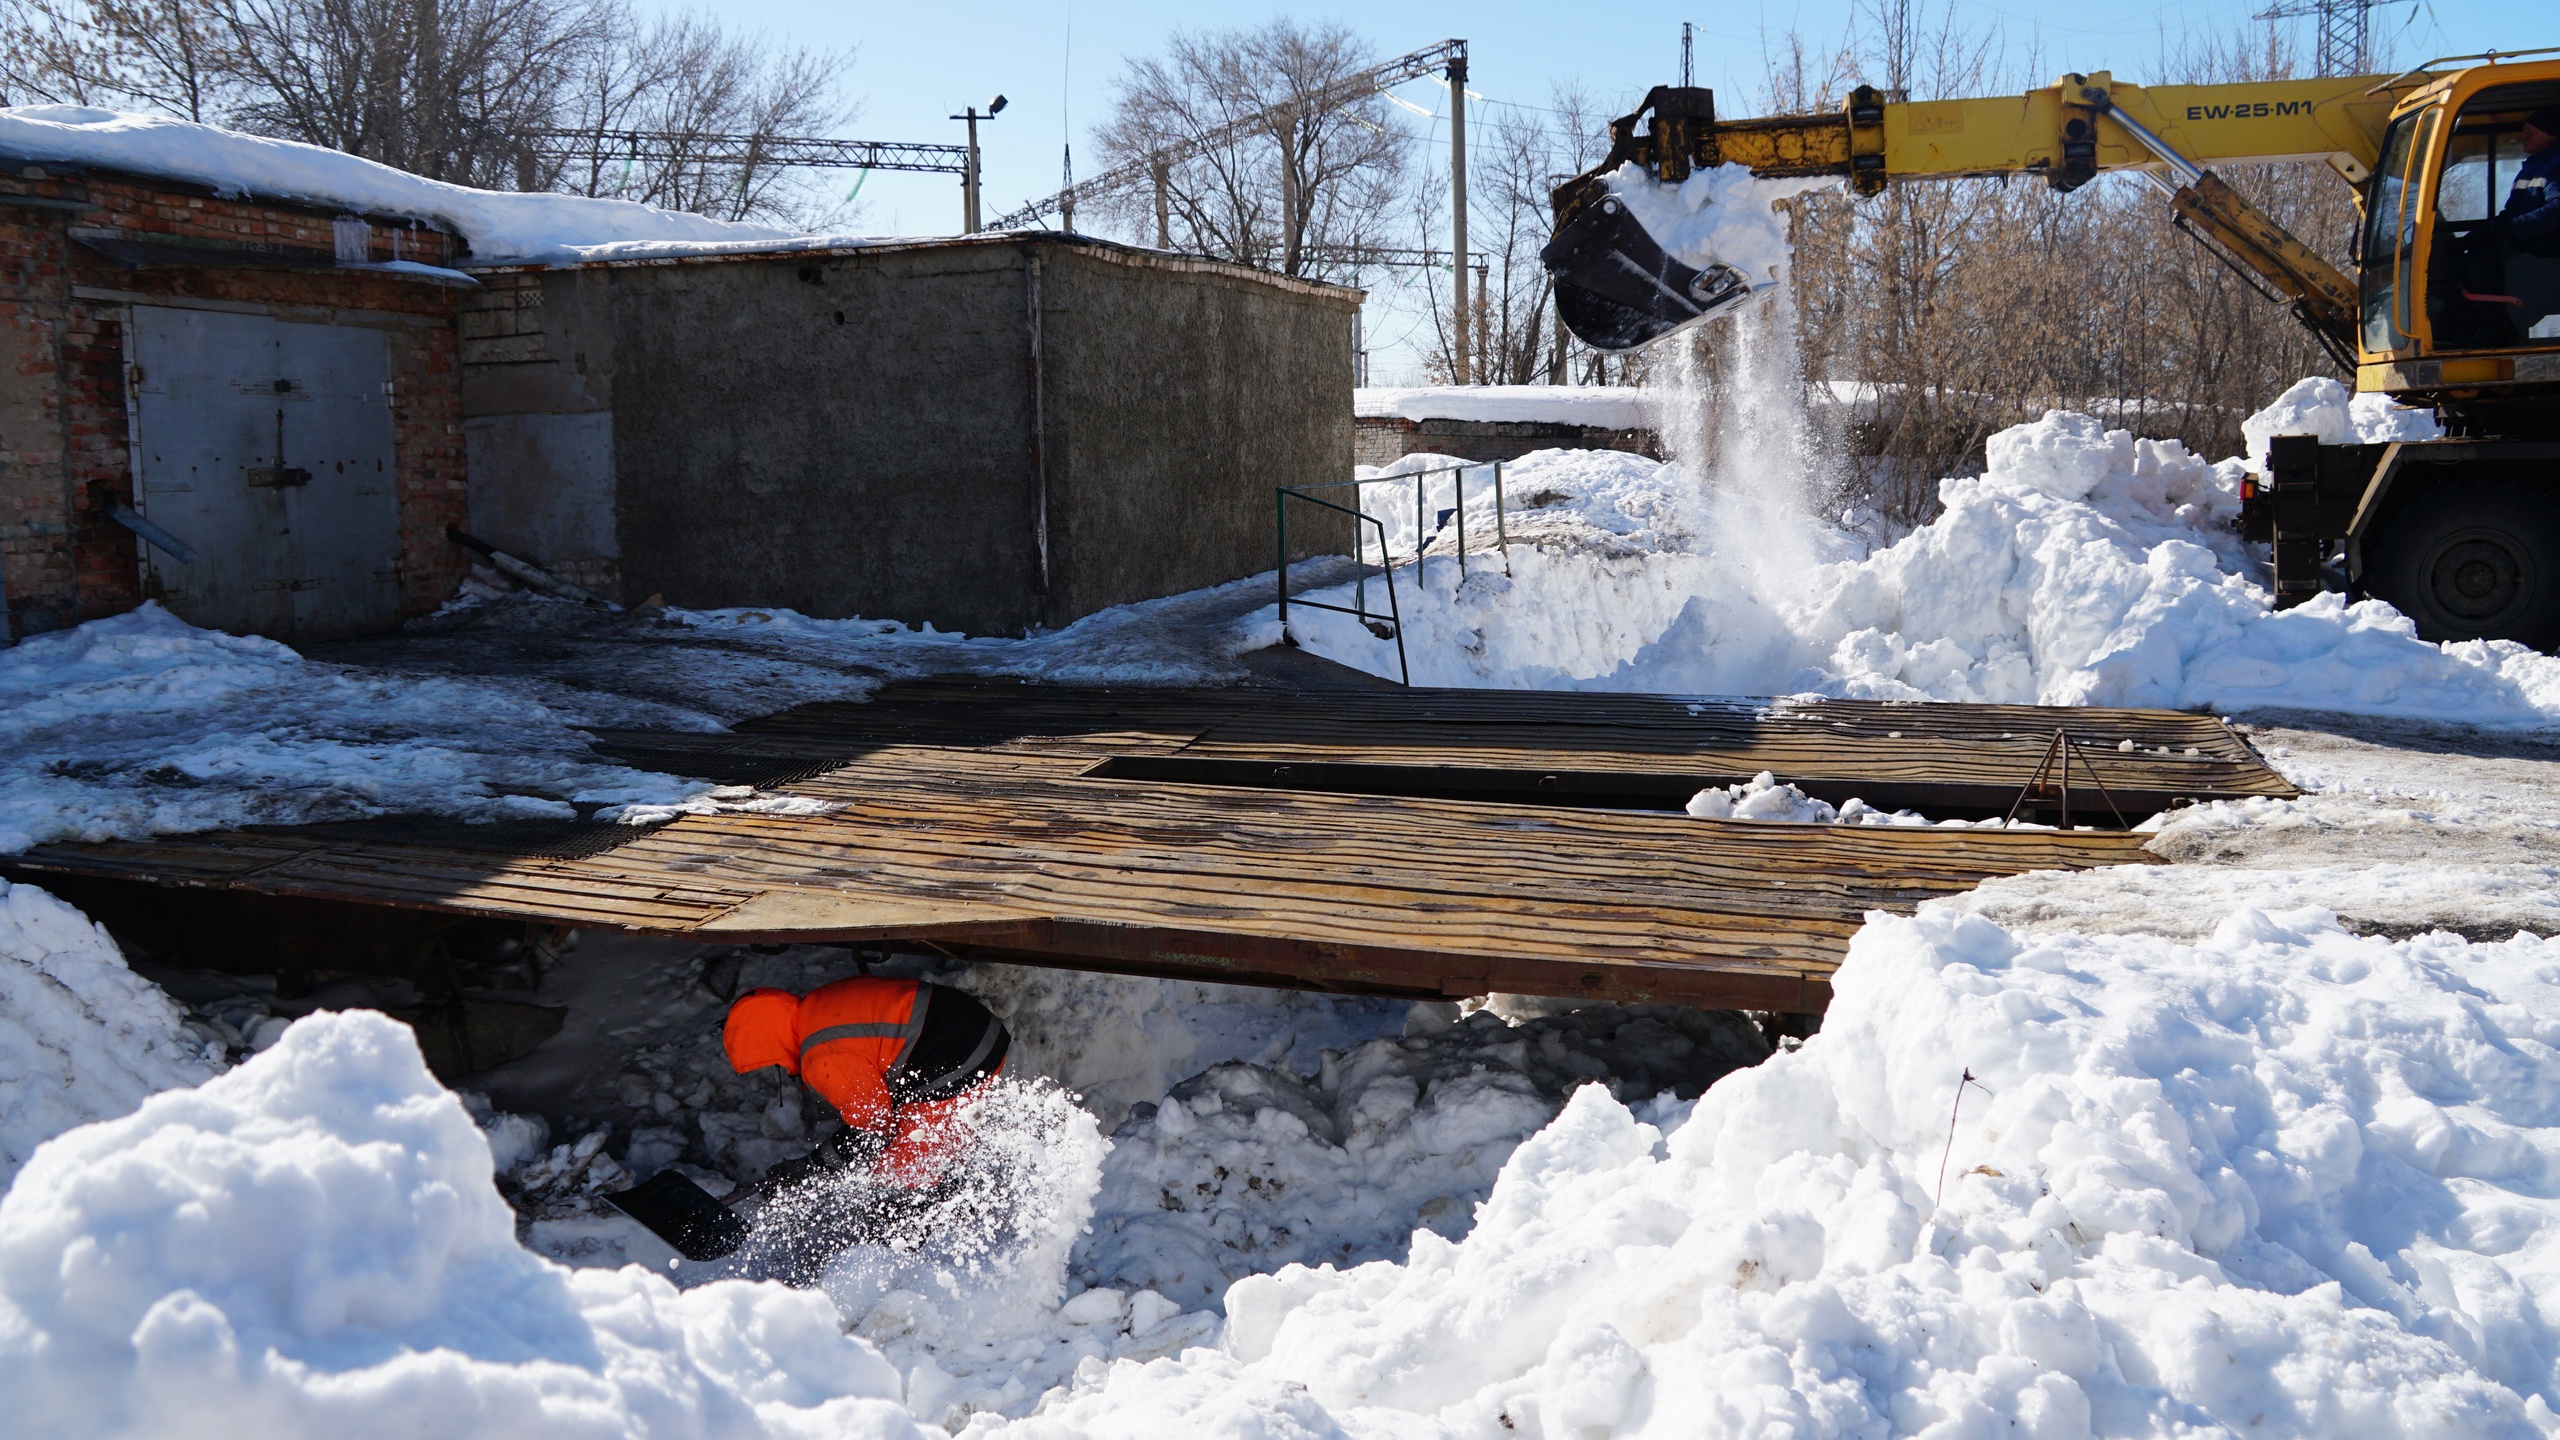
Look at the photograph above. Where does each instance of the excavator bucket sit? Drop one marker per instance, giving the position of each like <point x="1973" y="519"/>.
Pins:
<point x="1617" y="290"/>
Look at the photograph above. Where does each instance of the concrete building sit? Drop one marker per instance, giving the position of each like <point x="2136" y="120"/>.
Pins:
<point x="986" y="433"/>
<point x="271" y="386"/>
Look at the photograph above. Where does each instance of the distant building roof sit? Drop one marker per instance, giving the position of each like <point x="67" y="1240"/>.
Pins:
<point x="1602" y="407"/>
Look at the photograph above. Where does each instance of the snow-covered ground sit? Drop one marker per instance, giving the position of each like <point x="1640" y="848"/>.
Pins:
<point x="2279" y="1181"/>
<point x="2257" y="1140"/>
<point x="142" y="724"/>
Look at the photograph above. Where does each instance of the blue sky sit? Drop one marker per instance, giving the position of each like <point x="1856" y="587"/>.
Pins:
<point x="915" y="63"/>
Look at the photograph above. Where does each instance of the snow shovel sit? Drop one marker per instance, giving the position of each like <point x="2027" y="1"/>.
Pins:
<point x="684" y="1215"/>
<point x="699" y="1224"/>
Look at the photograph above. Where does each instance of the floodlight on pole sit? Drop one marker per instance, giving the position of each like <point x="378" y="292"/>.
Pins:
<point x="969" y="176"/>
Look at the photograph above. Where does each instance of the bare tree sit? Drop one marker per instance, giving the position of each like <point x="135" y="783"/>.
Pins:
<point x="1307" y="186"/>
<point x="52" y="52"/>
<point x="1513" y="335"/>
<point x="684" y="78"/>
<point x="442" y="88"/>
<point x="472" y="91"/>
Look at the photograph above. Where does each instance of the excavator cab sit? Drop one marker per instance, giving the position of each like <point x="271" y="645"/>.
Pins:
<point x="2453" y="308"/>
<point x="2484" y="292"/>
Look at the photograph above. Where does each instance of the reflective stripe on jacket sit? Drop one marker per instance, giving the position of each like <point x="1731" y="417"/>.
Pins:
<point x="851" y="1034"/>
<point x="895" y="1057"/>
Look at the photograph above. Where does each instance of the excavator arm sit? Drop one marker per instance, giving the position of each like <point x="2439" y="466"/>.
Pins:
<point x="1617" y="288"/>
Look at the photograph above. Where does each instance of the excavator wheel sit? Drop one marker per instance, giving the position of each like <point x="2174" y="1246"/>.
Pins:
<point x="2476" y="561"/>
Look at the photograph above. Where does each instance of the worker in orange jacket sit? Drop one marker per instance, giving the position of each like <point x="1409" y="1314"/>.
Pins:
<point x="895" y="1057"/>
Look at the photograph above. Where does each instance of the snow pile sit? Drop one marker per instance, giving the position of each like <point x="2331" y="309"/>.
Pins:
<point x="1246" y="1167"/>
<point x="2084" y="567"/>
<point x="2320" y="406"/>
<point x="2286" y="1182"/>
<point x="500" y="226"/>
<point x="141" y="725"/>
<point x="964" y="1294"/>
<point x="82" y="1037"/>
<point x="1762" y="797"/>
<point x="1604" y="407"/>
<point x="1612" y="492"/>
<point x="310" y="1245"/>
<point x="1120" y="1041"/>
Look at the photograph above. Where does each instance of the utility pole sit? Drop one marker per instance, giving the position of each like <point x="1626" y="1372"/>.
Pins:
<point x="1163" y="171"/>
<point x="1458" y="367"/>
<point x="969" y="176"/>
<point x="1289" y="199"/>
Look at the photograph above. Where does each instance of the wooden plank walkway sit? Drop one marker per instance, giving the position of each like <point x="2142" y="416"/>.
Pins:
<point x="1418" y="843"/>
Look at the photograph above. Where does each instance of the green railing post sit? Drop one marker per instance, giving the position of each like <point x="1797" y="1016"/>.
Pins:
<point x="1419" y="535"/>
<point x="1460" y="480"/>
<point x="1359" y="606"/>
<point x="1360" y="557"/>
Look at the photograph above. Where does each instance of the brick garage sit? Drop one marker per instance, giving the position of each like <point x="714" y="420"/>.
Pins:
<point x="88" y="257"/>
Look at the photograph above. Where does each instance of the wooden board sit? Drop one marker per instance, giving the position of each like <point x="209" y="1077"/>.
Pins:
<point x="991" y="820"/>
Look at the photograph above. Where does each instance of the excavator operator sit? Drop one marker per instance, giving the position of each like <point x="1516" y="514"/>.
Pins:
<point x="2532" y="214"/>
<point x="2510" y="275"/>
<point x="897" y="1058"/>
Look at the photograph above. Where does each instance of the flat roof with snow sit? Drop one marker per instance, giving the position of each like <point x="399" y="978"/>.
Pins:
<point x="1600" y="407"/>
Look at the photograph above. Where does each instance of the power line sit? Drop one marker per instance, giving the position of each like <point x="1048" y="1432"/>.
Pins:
<point x="1391" y="256"/>
<point x="669" y="147"/>
<point x="1174" y="151"/>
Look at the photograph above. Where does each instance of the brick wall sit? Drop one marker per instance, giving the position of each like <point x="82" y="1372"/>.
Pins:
<point x="1383" y="440"/>
<point x="63" y="422"/>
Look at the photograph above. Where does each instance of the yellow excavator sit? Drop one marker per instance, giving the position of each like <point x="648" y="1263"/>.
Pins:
<point x="2448" y="310"/>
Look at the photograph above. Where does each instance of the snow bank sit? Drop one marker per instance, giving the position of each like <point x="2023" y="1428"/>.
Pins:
<point x="500" y="226"/>
<point x="1606" y="407"/>
<point x="2322" y="407"/>
<point x="82" y="1037"/>
<point x="1246" y="1167"/>
<point x="310" y="1245"/>
<point x="2284" y="1182"/>
<point x="2084" y="567"/>
<point x="142" y="724"/>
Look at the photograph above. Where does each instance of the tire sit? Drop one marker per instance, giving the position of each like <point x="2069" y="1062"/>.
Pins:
<point x="2476" y="561"/>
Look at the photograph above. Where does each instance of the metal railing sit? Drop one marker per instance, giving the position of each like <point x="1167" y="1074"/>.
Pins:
<point x="1390" y="625"/>
<point x="1422" y="537"/>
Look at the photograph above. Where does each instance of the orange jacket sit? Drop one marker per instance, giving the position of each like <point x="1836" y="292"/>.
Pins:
<point x="853" y="1042"/>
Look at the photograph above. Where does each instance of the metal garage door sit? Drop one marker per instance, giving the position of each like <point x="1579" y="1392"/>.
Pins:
<point x="265" y="445"/>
